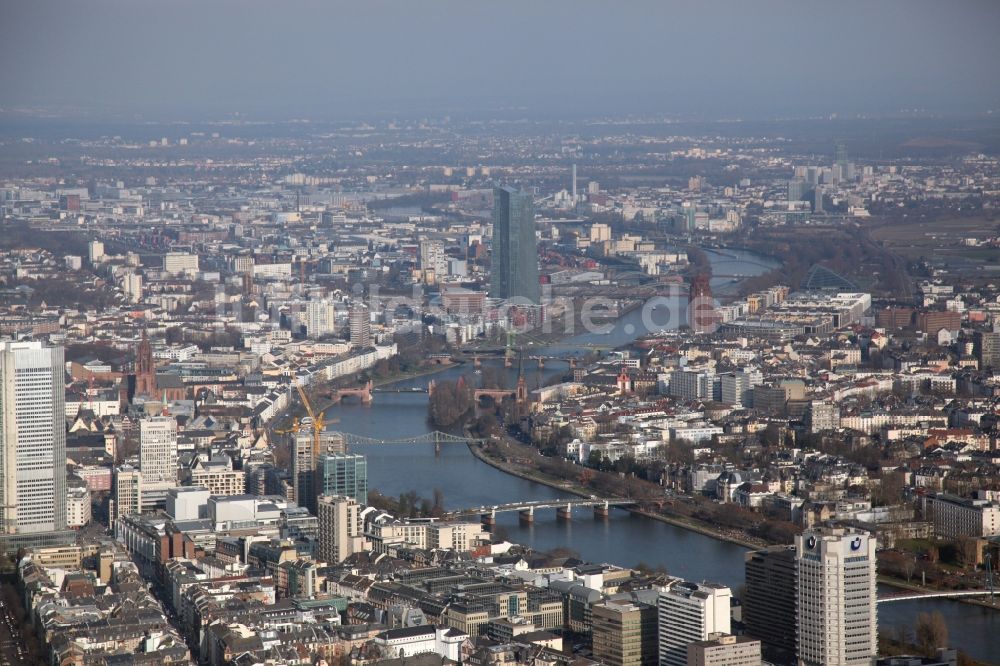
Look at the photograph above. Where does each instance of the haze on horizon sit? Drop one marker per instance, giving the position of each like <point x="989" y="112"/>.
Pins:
<point x="195" y="59"/>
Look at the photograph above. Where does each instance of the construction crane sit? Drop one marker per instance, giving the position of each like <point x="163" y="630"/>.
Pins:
<point x="295" y="427"/>
<point x="319" y="421"/>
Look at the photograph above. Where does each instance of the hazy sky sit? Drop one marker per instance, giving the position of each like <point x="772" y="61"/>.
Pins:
<point x="294" y="58"/>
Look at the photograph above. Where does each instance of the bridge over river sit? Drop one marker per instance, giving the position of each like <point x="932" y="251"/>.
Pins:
<point x="435" y="437"/>
<point x="916" y="596"/>
<point x="526" y="510"/>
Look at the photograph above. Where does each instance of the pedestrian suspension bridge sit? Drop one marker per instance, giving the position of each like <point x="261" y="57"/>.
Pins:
<point x="954" y="594"/>
<point x="437" y="438"/>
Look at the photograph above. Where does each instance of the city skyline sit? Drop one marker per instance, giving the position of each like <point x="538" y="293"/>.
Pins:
<point x="565" y="333"/>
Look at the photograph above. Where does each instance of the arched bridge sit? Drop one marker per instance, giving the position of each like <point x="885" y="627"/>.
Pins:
<point x="526" y="510"/>
<point x="411" y="389"/>
<point x="363" y="393"/>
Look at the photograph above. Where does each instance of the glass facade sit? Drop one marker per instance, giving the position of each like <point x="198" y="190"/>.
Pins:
<point x="515" y="248"/>
<point x="343" y="474"/>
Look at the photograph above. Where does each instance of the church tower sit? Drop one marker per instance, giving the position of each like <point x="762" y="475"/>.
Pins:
<point x="145" y="370"/>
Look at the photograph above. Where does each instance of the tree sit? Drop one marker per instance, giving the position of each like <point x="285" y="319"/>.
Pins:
<point x="967" y="551"/>
<point x="931" y="632"/>
<point x="449" y="402"/>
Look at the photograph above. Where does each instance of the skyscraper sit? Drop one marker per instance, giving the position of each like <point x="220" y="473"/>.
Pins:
<point x="320" y="318"/>
<point x="689" y="612"/>
<point x="361" y="327"/>
<point x="32" y="438"/>
<point x="835" y="597"/>
<point x="343" y="474"/>
<point x="769" y="600"/>
<point x="433" y="258"/>
<point x="986" y="347"/>
<point x="303" y="468"/>
<point x="341" y="531"/>
<point x="624" y="633"/>
<point x="515" y="248"/>
<point x="304" y="461"/>
<point x="842" y="158"/>
<point x="157" y="456"/>
<point x="797" y="189"/>
<point x="127" y="493"/>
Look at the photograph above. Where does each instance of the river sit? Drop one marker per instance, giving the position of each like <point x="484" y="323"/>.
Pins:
<point x="624" y="539"/>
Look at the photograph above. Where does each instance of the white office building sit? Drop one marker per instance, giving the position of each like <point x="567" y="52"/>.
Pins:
<point x="95" y="251"/>
<point x="835" y="597"/>
<point x="321" y="318"/>
<point x="32" y="438"/>
<point x="77" y="506"/>
<point x="341" y="529"/>
<point x="690" y="612"/>
<point x="736" y="386"/>
<point x="177" y="263"/>
<point x="955" y="517"/>
<point x="692" y="384"/>
<point x="132" y="286"/>
<point x="433" y="258"/>
<point x="157" y="456"/>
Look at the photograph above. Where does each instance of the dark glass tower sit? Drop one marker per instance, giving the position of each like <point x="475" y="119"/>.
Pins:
<point x="515" y="249"/>
<point x="769" y="601"/>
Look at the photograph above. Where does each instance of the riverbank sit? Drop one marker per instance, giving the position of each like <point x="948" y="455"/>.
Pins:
<point x="424" y="371"/>
<point x="569" y="487"/>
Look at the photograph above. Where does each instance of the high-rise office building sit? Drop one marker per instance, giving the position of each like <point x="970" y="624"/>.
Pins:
<point x="132" y="286"/>
<point x="769" y="600"/>
<point x="797" y="189"/>
<point x="841" y="160"/>
<point x="95" y="251"/>
<point x="361" y="326"/>
<point x="600" y="232"/>
<point x="835" y="597"/>
<point x="514" y="272"/>
<point x="321" y="318"/>
<point x="823" y="415"/>
<point x="126" y="497"/>
<point x="986" y="346"/>
<point x="624" y="633"/>
<point x="690" y="612"/>
<point x="343" y="474"/>
<point x="32" y="438"/>
<point x="341" y="529"/>
<point x="305" y="458"/>
<point x="158" y="456"/>
<point x="180" y="262"/>
<point x="433" y="258"/>
<point x="737" y="386"/>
